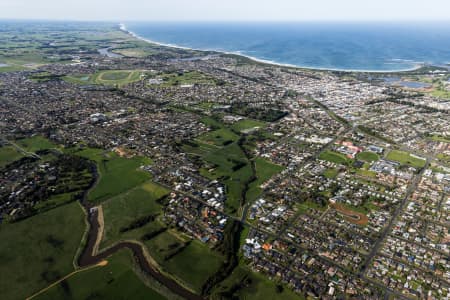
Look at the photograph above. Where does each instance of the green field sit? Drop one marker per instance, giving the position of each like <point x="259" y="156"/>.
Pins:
<point x="229" y="165"/>
<point x="366" y="173"/>
<point x="117" y="174"/>
<point x="110" y="77"/>
<point x="438" y="138"/>
<point x="12" y="68"/>
<point x="334" y="157"/>
<point x="39" y="250"/>
<point x="122" y="210"/>
<point x="172" y="254"/>
<point x="116" y="280"/>
<point x="194" y="264"/>
<point x="8" y="154"/>
<point x="264" y="171"/>
<point x="219" y="137"/>
<point x="185" y="78"/>
<point x="134" y="52"/>
<point x="248" y="124"/>
<point x="405" y="158"/>
<point x="245" y="284"/>
<point x="331" y="173"/>
<point x="35" y="143"/>
<point x="367" y="156"/>
<point x="164" y="245"/>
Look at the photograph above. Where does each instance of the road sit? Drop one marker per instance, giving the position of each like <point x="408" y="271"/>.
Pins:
<point x="378" y="244"/>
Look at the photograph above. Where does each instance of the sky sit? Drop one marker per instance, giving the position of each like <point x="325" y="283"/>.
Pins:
<point x="228" y="10"/>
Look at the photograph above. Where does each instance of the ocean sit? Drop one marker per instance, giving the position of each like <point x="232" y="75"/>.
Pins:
<point x="336" y="46"/>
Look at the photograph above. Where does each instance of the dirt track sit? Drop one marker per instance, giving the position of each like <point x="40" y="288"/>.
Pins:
<point x="350" y="215"/>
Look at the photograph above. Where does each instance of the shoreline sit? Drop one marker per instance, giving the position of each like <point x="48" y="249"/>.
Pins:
<point x="123" y="28"/>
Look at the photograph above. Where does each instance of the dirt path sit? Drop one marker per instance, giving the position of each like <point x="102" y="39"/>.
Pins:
<point x="102" y="263"/>
<point x="101" y="229"/>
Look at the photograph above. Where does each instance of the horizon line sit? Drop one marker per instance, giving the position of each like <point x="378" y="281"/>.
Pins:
<point x="429" y="21"/>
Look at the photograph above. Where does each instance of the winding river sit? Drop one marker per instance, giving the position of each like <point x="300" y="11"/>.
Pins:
<point x="88" y="257"/>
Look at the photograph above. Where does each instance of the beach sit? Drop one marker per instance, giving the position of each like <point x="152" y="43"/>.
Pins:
<point x="389" y="64"/>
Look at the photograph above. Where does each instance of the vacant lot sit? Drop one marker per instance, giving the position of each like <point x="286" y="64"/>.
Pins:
<point x="39" y="250"/>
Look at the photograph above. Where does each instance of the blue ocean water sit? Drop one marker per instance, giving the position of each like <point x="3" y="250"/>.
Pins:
<point x="342" y="46"/>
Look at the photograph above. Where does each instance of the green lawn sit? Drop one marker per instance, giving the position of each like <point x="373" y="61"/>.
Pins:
<point x="78" y="78"/>
<point x="264" y="171"/>
<point x="405" y="158"/>
<point x="8" y="154"/>
<point x="35" y="143"/>
<point x="248" y="124"/>
<point x="117" y="174"/>
<point x="334" y="157"/>
<point x="367" y="156"/>
<point x="438" y="138"/>
<point x="39" y="250"/>
<point x="219" y="137"/>
<point x="116" y="280"/>
<point x="115" y="76"/>
<point x="331" y="173"/>
<point x="245" y="284"/>
<point x="122" y="210"/>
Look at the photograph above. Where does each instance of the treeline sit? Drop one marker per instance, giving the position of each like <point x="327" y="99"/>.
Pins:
<point x="374" y="133"/>
<point x="148" y="236"/>
<point x="263" y="114"/>
<point x="229" y="248"/>
<point x="139" y="223"/>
